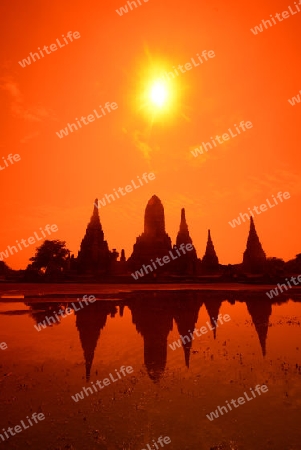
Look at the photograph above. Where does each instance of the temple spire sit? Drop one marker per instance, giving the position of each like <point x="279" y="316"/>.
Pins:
<point x="95" y="220"/>
<point x="210" y="259"/>
<point x="187" y="263"/>
<point x="183" y="224"/>
<point x="183" y="236"/>
<point x="254" y="257"/>
<point x="94" y="254"/>
<point x="95" y="210"/>
<point x="122" y="257"/>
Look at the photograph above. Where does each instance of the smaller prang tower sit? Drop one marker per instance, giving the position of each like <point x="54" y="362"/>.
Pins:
<point x="187" y="263"/>
<point x="254" y="258"/>
<point x="210" y="260"/>
<point x="94" y="255"/>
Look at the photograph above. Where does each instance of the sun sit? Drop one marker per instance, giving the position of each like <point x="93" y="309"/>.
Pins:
<point x="159" y="93"/>
<point x="156" y="98"/>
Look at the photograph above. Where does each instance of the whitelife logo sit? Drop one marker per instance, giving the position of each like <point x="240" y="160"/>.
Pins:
<point x="160" y="441"/>
<point x="128" y="188"/>
<point x="274" y="292"/>
<point x="64" y="312"/>
<point x="124" y="9"/>
<point x="90" y="118"/>
<point x="188" y="66"/>
<point x="3" y="346"/>
<point x="295" y="100"/>
<point x="285" y="15"/>
<point x="17" y="429"/>
<point x="241" y="401"/>
<point x="203" y="330"/>
<point x="53" y="48"/>
<point x="31" y="240"/>
<point x="10" y="158"/>
<point x="262" y="207"/>
<point x="165" y="259"/>
<point x="223" y="138"/>
<point x="105" y="381"/>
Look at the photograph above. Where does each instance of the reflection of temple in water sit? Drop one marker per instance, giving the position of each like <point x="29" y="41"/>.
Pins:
<point x="40" y="311"/>
<point x="153" y="320"/>
<point x="89" y="322"/>
<point x="153" y="314"/>
<point x="186" y="315"/>
<point x="213" y="306"/>
<point x="260" y="312"/>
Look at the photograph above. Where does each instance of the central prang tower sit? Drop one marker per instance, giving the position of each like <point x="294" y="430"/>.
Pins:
<point x="154" y="220"/>
<point x="154" y="242"/>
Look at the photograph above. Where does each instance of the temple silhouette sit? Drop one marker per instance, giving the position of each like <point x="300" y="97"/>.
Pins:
<point x="96" y="262"/>
<point x="95" y="259"/>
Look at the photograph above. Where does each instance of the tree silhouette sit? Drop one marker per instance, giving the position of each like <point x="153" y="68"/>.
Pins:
<point x="275" y="266"/>
<point x="4" y="269"/>
<point x="50" y="257"/>
<point x="294" y="265"/>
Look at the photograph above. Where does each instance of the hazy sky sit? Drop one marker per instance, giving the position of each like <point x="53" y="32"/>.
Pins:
<point x="115" y="59"/>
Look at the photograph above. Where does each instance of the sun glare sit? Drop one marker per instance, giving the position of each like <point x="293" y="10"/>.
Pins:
<point x="159" y="94"/>
<point x="159" y="98"/>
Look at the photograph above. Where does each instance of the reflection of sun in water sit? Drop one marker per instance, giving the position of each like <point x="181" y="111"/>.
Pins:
<point x="159" y="93"/>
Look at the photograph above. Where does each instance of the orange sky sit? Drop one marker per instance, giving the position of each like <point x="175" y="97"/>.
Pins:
<point x="251" y="78"/>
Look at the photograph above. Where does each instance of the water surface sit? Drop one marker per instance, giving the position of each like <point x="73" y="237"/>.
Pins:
<point x="170" y="392"/>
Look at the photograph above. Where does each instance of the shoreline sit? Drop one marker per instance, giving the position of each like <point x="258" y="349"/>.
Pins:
<point x="113" y="292"/>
